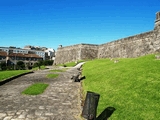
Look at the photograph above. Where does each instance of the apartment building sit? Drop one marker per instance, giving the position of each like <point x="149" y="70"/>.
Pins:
<point x="11" y="55"/>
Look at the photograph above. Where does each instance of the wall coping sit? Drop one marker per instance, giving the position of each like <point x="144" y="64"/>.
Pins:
<point x="77" y="45"/>
<point x="121" y="39"/>
<point x="130" y="37"/>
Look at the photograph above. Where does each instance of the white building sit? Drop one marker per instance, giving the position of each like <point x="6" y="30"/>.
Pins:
<point x="50" y="53"/>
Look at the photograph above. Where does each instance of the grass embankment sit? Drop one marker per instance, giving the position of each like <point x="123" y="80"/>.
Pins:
<point x="132" y="86"/>
<point x="8" y="74"/>
<point x="35" y="89"/>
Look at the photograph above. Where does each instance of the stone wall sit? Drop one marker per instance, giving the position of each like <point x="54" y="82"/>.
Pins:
<point x="133" y="46"/>
<point x="88" y="51"/>
<point x="75" y="53"/>
<point x="67" y="54"/>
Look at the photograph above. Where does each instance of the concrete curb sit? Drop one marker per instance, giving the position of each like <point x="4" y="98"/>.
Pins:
<point x="13" y="77"/>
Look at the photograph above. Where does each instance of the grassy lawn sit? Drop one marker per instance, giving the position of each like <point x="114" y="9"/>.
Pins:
<point x="8" y="74"/>
<point x="41" y="68"/>
<point x="71" y="64"/>
<point x="58" y="70"/>
<point x="35" y="89"/>
<point x="52" y="75"/>
<point x="132" y="86"/>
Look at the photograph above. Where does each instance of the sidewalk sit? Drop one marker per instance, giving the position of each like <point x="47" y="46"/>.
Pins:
<point x="60" y="101"/>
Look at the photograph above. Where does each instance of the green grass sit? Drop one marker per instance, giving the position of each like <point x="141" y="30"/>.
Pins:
<point x="58" y="70"/>
<point x="8" y="74"/>
<point x="41" y="68"/>
<point x="52" y="75"/>
<point x="132" y="86"/>
<point x="71" y="64"/>
<point x="35" y="89"/>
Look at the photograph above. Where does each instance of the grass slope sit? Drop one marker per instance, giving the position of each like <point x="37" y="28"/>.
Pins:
<point x="132" y="86"/>
<point x="8" y="74"/>
<point x="35" y="89"/>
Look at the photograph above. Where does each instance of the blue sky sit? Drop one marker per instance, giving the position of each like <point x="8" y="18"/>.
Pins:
<point x="50" y="23"/>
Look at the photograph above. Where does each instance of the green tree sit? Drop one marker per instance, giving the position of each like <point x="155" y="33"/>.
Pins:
<point x="48" y="62"/>
<point x="3" y="66"/>
<point x="20" y="65"/>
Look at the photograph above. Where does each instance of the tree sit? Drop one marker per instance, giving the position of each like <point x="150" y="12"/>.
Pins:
<point x="48" y="62"/>
<point x="3" y="66"/>
<point x="21" y="65"/>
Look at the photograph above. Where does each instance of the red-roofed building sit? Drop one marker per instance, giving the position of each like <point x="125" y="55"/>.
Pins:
<point x="3" y="56"/>
<point x="11" y="55"/>
<point x="26" y="58"/>
<point x="13" y="58"/>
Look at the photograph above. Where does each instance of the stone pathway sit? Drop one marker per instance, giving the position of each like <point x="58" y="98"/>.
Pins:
<point x="60" y="101"/>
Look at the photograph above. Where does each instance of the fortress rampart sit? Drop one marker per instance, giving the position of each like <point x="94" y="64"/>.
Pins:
<point x="133" y="46"/>
<point x="75" y="53"/>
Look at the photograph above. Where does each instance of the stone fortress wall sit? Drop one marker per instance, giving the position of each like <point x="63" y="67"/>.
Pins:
<point x="76" y="52"/>
<point x="133" y="46"/>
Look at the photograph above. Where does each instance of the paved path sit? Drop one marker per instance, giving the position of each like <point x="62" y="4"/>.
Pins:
<point x="60" y="101"/>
